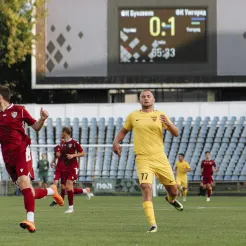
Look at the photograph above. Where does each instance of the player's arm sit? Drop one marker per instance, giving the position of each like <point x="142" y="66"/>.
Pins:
<point x="80" y="152"/>
<point x="39" y="124"/>
<point x="215" y="169"/>
<point x="175" y="169"/>
<point x="168" y="125"/>
<point x="188" y="169"/>
<point x="53" y="162"/>
<point x="76" y="155"/>
<point x="202" y="168"/>
<point x="121" y="135"/>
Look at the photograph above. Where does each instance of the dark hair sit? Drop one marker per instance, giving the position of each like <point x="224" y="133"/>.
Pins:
<point x="181" y="154"/>
<point x="5" y="93"/>
<point x="67" y="130"/>
<point x="207" y="152"/>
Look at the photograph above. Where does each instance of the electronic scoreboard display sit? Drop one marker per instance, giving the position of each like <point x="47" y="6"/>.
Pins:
<point x="162" y="35"/>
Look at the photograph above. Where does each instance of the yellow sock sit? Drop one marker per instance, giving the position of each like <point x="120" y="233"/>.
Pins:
<point x="171" y="198"/>
<point x="149" y="212"/>
<point x="184" y="193"/>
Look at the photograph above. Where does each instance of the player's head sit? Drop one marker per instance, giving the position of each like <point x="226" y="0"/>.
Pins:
<point x="146" y="99"/>
<point x="207" y="155"/>
<point x="181" y="156"/>
<point x="4" y="94"/>
<point x="44" y="156"/>
<point x="66" y="132"/>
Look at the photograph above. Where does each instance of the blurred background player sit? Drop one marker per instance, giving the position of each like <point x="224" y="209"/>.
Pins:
<point x="147" y="125"/>
<point x="181" y="169"/>
<point x="15" y="145"/>
<point x="60" y="170"/>
<point x="208" y="166"/>
<point x="43" y="168"/>
<point x="70" y="151"/>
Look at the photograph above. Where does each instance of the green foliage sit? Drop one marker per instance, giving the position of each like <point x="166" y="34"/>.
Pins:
<point x="17" y="18"/>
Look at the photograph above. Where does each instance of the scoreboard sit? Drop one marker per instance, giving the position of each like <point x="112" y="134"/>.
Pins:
<point x="163" y="35"/>
<point x="97" y="44"/>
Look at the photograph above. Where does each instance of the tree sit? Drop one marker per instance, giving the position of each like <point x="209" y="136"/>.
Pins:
<point x="17" y="18"/>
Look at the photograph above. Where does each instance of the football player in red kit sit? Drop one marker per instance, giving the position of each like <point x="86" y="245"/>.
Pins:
<point x="208" y="166"/>
<point x="70" y="151"/>
<point x="60" y="170"/>
<point x="15" y="145"/>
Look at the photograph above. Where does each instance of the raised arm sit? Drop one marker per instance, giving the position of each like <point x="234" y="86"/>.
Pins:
<point x="120" y="136"/>
<point x="39" y="124"/>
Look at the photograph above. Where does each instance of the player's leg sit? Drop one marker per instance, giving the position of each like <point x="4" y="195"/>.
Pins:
<point x="179" y="185"/>
<point x="63" y="190"/>
<point x="20" y="173"/>
<point x="57" y="176"/>
<point x="70" y="194"/>
<point x="184" y="192"/>
<point x="55" y="182"/>
<point x="45" y="178"/>
<point x="51" y="191"/>
<point x="145" y="176"/>
<point x="71" y="177"/>
<point x="85" y="191"/>
<point x="202" y="189"/>
<point x="165" y="175"/>
<point x="209" y="192"/>
<point x="40" y="180"/>
<point x="29" y="202"/>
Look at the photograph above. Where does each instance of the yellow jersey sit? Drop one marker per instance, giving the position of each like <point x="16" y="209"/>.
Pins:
<point x="180" y="168"/>
<point x="147" y="129"/>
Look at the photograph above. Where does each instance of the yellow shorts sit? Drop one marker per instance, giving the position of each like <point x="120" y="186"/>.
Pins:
<point x="182" y="181"/>
<point x="148" y="166"/>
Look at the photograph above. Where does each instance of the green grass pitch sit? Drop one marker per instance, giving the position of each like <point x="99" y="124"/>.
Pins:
<point x="121" y="221"/>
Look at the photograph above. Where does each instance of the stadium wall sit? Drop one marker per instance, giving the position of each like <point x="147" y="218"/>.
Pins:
<point x="185" y="110"/>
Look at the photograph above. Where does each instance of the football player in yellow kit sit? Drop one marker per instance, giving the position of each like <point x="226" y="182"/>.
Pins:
<point x="147" y="125"/>
<point x="181" y="169"/>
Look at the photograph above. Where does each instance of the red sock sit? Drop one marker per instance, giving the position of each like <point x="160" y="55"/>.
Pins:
<point x="29" y="200"/>
<point x="70" y="197"/>
<point x="209" y="191"/>
<point x="40" y="193"/>
<point x="63" y="193"/>
<point x="77" y="190"/>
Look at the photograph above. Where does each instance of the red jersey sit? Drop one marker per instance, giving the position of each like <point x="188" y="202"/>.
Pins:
<point x="60" y="165"/>
<point x="70" y="147"/>
<point x="12" y="131"/>
<point x="207" y="167"/>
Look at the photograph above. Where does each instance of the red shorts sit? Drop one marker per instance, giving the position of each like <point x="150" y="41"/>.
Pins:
<point x="207" y="180"/>
<point x="19" y="163"/>
<point x="72" y="173"/>
<point x="60" y="175"/>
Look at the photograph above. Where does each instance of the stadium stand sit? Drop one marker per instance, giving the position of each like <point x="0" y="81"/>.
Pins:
<point x="224" y="137"/>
